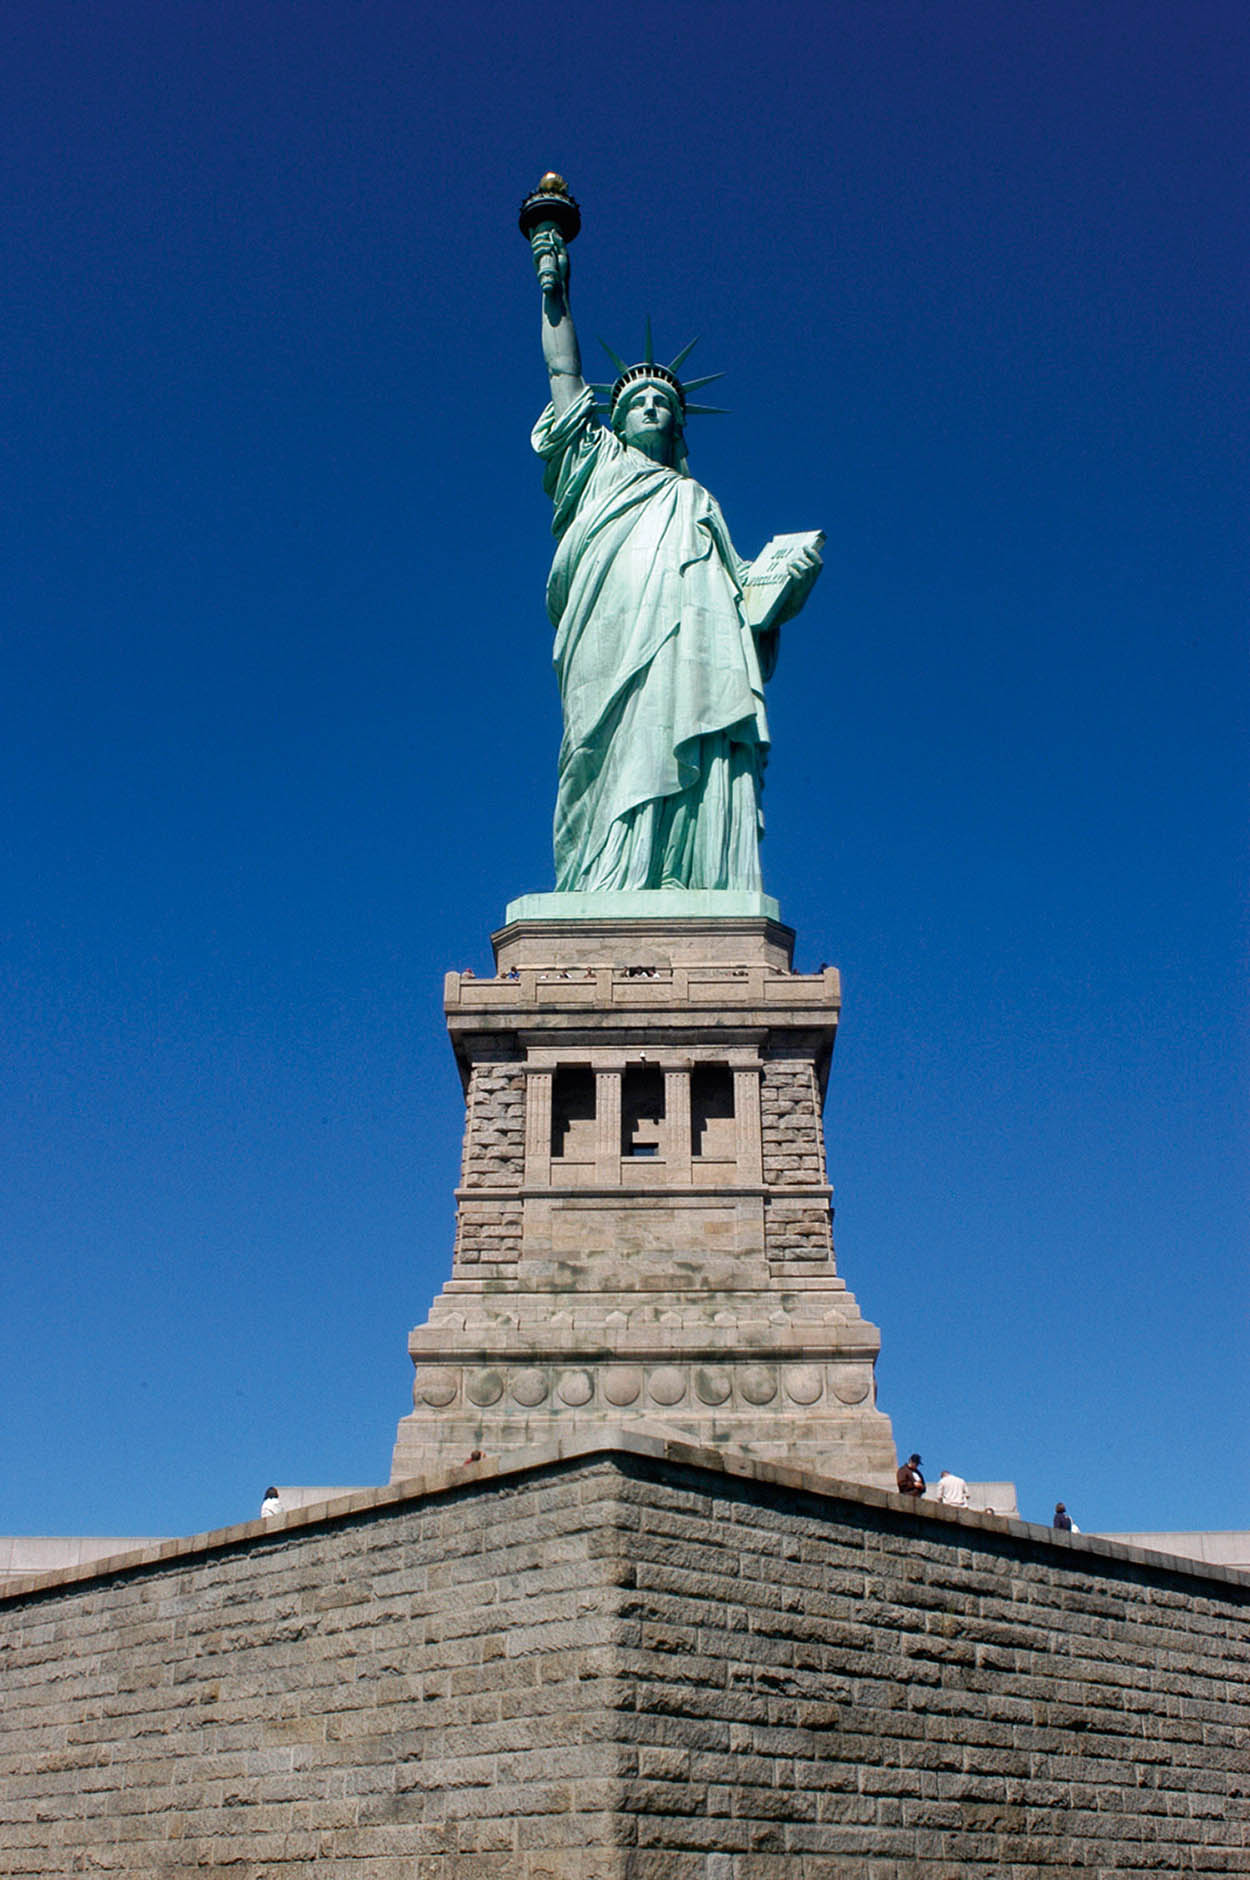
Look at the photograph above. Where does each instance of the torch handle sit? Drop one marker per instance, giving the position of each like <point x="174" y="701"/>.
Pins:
<point x="546" y="252"/>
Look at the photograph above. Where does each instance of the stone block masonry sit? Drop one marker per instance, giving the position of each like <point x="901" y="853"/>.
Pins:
<point x="790" y="1114"/>
<point x="494" y="1146"/>
<point x="422" y="1687"/>
<point x="629" y="1661"/>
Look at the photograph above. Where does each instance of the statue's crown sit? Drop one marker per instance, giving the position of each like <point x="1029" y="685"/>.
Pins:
<point x="653" y="372"/>
<point x="649" y="368"/>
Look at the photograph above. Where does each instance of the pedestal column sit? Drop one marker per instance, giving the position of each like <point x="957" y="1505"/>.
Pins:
<point x="677" y="1122"/>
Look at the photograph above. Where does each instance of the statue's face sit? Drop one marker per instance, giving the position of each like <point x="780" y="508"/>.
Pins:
<point x="650" y="421"/>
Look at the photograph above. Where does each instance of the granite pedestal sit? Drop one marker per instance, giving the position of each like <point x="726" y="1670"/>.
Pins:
<point x="644" y="1221"/>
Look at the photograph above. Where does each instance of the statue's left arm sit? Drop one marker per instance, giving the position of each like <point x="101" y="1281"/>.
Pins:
<point x="804" y="567"/>
<point x="778" y="590"/>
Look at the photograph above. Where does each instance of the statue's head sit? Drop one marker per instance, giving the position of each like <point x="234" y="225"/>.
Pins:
<point x="649" y="413"/>
<point x="648" y="405"/>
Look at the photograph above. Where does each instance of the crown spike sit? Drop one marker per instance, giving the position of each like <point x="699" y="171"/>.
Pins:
<point x="694" y="385"/>
<point x="648" y="351"/>
<point x="684" y="354"/>
<point x="707" y="411"/>
<point x="615" y="357"/>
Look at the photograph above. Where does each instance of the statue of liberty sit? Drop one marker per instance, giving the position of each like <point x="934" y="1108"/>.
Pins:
<point x="664" y="636"/>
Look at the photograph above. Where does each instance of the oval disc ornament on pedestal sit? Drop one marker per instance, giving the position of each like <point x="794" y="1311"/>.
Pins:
<point x="621" y="1384"/>
<point x="483" y="1388"/>
<point x="852" y="1383"/>
<point x="667" y="1385"/>
<point x="758" y="1383"/>
<point x="436" y="1388"/>
<point x="803" y="1383"/>
<point x="713" y="1387"/>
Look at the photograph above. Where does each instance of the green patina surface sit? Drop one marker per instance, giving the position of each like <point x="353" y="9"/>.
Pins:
<point x="664" y="635"/>
<point x="646" y="904"/>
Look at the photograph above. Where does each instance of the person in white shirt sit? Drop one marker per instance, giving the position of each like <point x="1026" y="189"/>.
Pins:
<point x="952" y="1490"/>
<point x="272" y="1504"/>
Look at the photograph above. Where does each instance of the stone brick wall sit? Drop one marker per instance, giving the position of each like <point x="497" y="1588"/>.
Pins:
<point x="793" y="1145"/>
<point x="488" y="1233"/>
<point x="824" y="1692"/>
<point x="790" y="1122"/>
<point x="494" y="1157"/>
<point x="797" y="1230"/>
<point x="422" y="1691"/>
<point x="494" y="1133"/>
<point x="640" y="1665"/>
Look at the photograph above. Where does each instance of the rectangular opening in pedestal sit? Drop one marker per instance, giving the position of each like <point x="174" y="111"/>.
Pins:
<point x="642" y="1110"/>
<point x="573" y="1114"/>
<point x="712" y="1113"/>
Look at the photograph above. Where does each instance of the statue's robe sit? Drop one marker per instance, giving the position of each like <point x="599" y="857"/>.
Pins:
<point x="662" y="682"/>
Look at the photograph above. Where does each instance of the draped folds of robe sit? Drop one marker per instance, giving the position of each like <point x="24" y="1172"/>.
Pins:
<point x="662" y="683"/>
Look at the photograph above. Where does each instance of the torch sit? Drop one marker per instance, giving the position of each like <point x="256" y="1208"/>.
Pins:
<point x="550" y="207"/>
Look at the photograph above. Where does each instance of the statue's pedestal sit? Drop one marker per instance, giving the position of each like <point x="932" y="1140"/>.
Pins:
<point x="643" y="1219"/>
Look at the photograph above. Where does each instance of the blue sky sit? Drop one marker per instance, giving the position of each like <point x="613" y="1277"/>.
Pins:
<point x="280" y="727"/>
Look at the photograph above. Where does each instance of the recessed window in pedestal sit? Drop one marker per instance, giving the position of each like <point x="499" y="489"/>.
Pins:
<point x="642" y="1110"/>
<point x="573" y="1114"/>
<point x="712" y="1113"/>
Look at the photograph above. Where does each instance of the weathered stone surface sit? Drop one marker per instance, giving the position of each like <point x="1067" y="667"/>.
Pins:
<point x="672" y="1260"/>
<point x="641" y="1661"/>
<point x="494" y="1140"/>
<point x="790" y="1110"/>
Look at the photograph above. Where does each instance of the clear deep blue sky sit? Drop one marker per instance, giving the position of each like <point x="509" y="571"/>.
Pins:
<point x="280" y="727"/>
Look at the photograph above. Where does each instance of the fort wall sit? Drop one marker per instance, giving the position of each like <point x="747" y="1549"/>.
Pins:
<point x="629" y="1661"/>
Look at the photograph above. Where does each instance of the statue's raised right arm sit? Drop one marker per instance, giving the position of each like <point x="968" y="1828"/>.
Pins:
<point x="560" y="348"/>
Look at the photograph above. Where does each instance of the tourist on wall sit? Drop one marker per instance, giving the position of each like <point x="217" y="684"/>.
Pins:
<point x="910" y="1480"/>
<point x="952" y="1489"/>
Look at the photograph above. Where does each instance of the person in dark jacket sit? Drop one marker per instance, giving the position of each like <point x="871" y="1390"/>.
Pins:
<point x="910" y="1480"/>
